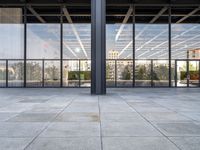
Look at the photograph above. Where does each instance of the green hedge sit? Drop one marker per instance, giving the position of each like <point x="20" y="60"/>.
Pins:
<point x="74" y="75"/>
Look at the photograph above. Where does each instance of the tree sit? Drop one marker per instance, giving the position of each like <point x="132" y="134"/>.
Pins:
<point x="126" y="74"/>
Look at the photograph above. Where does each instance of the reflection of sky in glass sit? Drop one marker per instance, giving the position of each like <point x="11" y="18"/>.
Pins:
<point x="151" y="41"/>
<point x="76" y="41"/>
<point x="122" y="45"/>
<point x="43" y="40"/>
<point x="184" y="37"/>
<point x="11" y="41"/>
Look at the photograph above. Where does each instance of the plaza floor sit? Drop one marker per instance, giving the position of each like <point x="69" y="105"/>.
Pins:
<point x="124" y="119"/>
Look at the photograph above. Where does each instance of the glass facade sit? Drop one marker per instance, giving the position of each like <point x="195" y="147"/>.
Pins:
<point x="146" y="46"/>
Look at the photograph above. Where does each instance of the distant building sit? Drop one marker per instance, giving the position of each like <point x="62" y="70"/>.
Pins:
<point x="194" y="54"/>
<point x="112" y="54"/>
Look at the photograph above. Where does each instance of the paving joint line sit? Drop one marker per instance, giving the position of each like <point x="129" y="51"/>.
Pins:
<point x="151" y="124"/>
<point x="101" y="136"/>
<point x="47" y="125"/>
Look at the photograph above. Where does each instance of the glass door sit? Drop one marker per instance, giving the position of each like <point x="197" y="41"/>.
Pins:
<point x="193" y="73"/>
<point x="181" y="73"/>
<point x="187" y="73"/>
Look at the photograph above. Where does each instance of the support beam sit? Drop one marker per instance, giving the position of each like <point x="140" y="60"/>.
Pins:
<point x="128" y="14"/>
<point x="98" y="80"/>
<point x="66" y="13"/>
<point x="36" y="14"/>
<point x="189" y="15"/>
<point x="158" y="15"/>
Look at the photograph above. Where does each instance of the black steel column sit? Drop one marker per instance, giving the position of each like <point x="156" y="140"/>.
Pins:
<point x="6" y="72"/>
<point x="199" y="73"/>
<point x="115" y="73"/>
<point x="61" y="46"/>
<point x="42" y="72"/>
<point x="25" y="43"/>
<point x="152" y="74"/>
<point x="98" y="62"/>
<point x="175" y="73"/>
<point x="188" y="72"/>
<point x="133" y="46"/>
<point x="170" y="78"/>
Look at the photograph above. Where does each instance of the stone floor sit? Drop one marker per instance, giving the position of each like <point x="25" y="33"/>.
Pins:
<point x="124" y="119"/>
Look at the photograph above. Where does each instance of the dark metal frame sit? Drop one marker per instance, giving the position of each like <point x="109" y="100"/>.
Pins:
<point x="94" y="66"/>
<point x="169" y="42"/>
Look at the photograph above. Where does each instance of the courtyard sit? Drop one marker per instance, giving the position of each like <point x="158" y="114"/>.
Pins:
<point x="124" y="119"/>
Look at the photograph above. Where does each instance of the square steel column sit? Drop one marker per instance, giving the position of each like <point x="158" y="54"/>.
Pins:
<point x="98" y="52"/>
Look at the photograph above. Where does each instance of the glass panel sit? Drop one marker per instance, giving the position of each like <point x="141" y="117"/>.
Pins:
<point x="142" y="73"/>
<point x="161" y="73"/>
<point x="43" y="41"/>
<point x="151" y="32"/>
<point x="2" y="73"/>
<point x="85" y="73"/>
<point x="34" y="73"/>
<point x="11" y="33"/>
<point x="119" y="41"/>
<point x="119" y="45"/>
<point x="185" y="33"/>
<point x="181" y="73"/>
<point x="77" y="41"/>
<point x="151" y="44"/>
<point x="194" y="73"/>
<point x="151" y="41"/>
<point x="124" y="73"/>
<point x="15" y="73"/>
<point x="43" y="45"/>
<point x="71" y="73"/>
<point x="77" y="46"/>
<point x="52" y="73"/>
<point x="110" y="73"/>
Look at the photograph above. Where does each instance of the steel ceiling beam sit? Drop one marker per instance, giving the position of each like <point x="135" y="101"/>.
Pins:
<point x="128" y="14"/>
<point x="36" y="14"/>
<point x="189" y="15"/>
<point x="159" y="14"/>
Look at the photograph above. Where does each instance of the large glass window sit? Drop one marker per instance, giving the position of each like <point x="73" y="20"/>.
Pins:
<point x="185" y="35"/>
<point x="15" y="73"/>
<point x="12" y="46"/>
<point x="43" y="46"/>
<point x="34" y="73"/>
<point x="11" y="33"/>
<point x="76" y="48"/>
<point x="119" y="46"/>
<point x="151" y="46"/>
<point x="71" y="74"/>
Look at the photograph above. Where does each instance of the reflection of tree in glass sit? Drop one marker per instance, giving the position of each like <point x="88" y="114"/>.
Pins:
<point x="143" y="72"/>
<point x="160" y="72"/>
<point x="52" y="73"/>
<point x="126" y="74"/>
<point x="108" y="76"/>
<point x="2" y="73"/>
<point x="16" y="71"/>
<point x="33" y="71"/>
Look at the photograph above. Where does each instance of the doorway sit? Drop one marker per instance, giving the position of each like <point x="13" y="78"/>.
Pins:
<point x="187" y="73"/>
